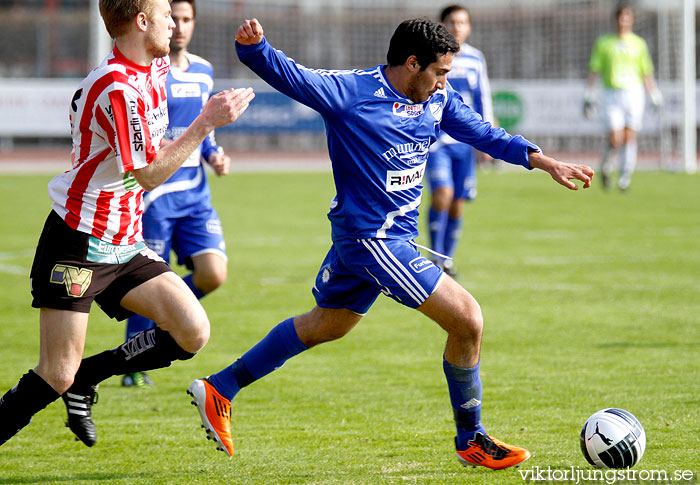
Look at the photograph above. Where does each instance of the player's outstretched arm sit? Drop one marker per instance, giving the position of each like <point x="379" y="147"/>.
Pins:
<point x="220" y="162"/>
<point x="250" y="32"/>
<point x="562" y="173"/>
<point x="221" y="109"/>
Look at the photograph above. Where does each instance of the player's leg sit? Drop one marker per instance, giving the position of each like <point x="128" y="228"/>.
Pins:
<point x="62" y="337"/>
<point x="464" y="177"/>
<point x="403" y="274"/>
<point x="628" y="158"/>
<point x="336" y="288"/>
<point x="64" y="284"/>
<point x="157" y="232"/>
<point x="198" y="241"/>
<point x="147" y="286"/>
<point x="459" y="314"/>
<point x="209" y="271"/>
<point x="614" y="121"/>
<point x="442" y="187"/>
<point x="634" y="112"/>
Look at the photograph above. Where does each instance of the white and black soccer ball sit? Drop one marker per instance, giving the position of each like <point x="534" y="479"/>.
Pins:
<point x="613" y="438"/>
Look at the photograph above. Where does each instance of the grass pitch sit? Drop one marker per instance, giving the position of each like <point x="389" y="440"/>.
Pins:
<point x="591" y="300"/>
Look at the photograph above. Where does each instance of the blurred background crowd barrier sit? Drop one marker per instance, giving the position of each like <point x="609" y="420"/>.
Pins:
<point x="537" y="53"/>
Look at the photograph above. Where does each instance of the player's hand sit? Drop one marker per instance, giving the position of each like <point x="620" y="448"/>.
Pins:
<point x="563" y="173"/>
<point x="657" y="99"/>
<point x="220" y="163"/>
<point x="226" y="106"/>
<point x="484" y="158"/>
<point x="250" y="32"/>
<point x="589" y="104"/>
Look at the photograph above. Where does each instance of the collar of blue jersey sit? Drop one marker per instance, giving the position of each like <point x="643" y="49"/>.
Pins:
<point x="391" y="88"/>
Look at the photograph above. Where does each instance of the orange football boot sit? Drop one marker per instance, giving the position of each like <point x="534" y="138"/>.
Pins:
<point x="215" y="411"/>
<point x="486" y="451"/>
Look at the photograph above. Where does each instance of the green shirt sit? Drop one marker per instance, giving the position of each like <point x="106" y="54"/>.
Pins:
<point x="622" y="62"/>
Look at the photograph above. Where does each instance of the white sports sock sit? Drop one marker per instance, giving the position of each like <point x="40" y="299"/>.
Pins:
<point x="605" y="153"/>
<point x="628" y="161"/>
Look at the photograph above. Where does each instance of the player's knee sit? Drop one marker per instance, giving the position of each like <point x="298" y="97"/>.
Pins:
<point x="471" y="325"/>
<point x="194" y="332"/>
<point x="442" y="198"/>
<point x="211" y="280"/>
<point x="200" y="335"/>
<point x="60" y="379"/>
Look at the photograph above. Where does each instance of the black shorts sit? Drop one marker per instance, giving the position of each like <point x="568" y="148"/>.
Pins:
<point x="64" y="279"/>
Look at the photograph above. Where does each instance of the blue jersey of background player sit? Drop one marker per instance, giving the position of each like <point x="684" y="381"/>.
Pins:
<point x="178" y="214"/>
<point x="380" y="123"/>
<point x="452" y="165"/>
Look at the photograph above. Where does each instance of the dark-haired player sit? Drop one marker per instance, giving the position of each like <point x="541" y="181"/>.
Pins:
<point x="178" y="214"/>
<point x="380" y="124"/>
<point x="451" y="168"/>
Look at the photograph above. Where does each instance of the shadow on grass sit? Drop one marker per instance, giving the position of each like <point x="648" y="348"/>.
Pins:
<point x="77" y="478"/>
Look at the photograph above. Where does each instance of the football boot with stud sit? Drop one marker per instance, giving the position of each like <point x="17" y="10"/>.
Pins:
<point x="215" y="412"/>
<point x="491" y="453"/>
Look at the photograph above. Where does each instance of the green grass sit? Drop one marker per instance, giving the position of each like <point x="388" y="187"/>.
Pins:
<point x="591" y="300"/>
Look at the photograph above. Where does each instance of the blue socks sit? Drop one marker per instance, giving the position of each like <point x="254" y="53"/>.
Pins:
<point x="437" y="220"/>
<point x="465" y="395"/>
<point x="197" y="292"/>
<point x="444" y="232"/>
<point x="137" y="324"/>
<point x="269" y="354"/>
<point x="453" y="231"/>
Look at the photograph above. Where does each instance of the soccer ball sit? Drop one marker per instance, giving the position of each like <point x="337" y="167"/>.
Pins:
<point x="613" y="438"/>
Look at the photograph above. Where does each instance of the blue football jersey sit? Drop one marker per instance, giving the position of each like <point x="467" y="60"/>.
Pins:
<point x="188" y="91"/>
<point x="470" y="79"/>
<point x="378" y="140"/>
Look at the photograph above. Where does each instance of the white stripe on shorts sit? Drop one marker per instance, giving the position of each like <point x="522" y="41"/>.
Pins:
<point x="403" y="269"/>
<point x="391" y="265"/>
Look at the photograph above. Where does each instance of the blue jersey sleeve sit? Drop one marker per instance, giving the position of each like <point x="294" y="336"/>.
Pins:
<point x="321" y="90"/>
<point x="463" y="124"/>
<point x="209" y="146"/>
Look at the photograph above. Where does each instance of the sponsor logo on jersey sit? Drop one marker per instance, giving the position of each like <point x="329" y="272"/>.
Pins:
<point x="158" y="121"/>
<point x="404" y="110"/>
<point x="130" y="182"/>
<point x="411" y="152"/>
<point x="162" y="67"/>
<point x="420" y="264"/>
<point x="136" y="130"/>
<point x="436" y="110"/>
<point x="379" y="93"/>
<point x="397" y="180"/>
<point x="158" y="245"/>
<point x="77" y="280"/>
<point x="214" y="226"/>
<point x="186" y="90"/>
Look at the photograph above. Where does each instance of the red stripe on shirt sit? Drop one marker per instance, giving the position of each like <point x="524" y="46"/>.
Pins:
<point x="149" y="149"/>
<point x="121" y="125"/>
<point x="101" y="218"/>
<point x="74" y="195"/>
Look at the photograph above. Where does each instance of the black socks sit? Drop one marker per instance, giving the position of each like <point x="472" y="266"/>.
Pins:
<point x="19" y="404"/>
<point x="151" y="349"/>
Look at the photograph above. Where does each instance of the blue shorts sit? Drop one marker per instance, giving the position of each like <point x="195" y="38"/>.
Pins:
<point x="355" y="272"/>
<point x="196" y="233"/>
<point x="454" y="165"/>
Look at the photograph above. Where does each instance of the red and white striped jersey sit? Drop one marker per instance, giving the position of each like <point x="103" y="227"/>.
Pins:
<point x="118" y="117"/>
